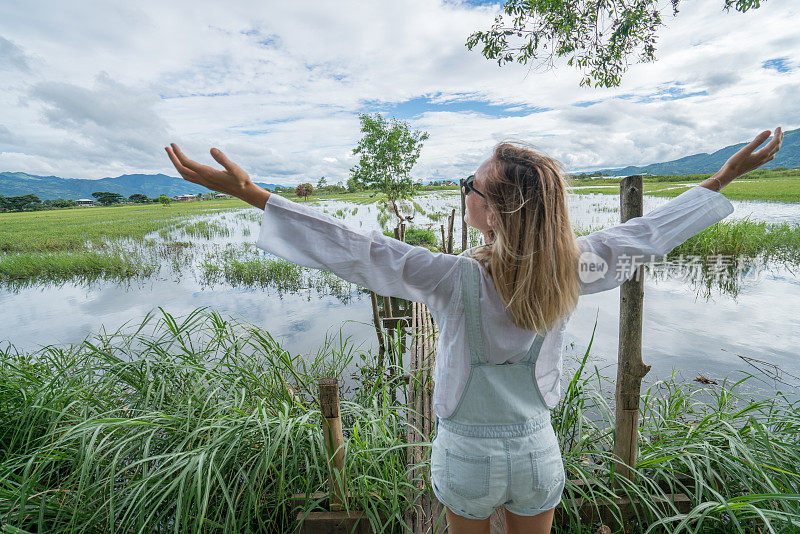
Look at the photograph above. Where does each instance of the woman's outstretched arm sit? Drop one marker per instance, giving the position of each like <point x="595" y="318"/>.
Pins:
<point x="370" y="259"/>
<point x="612" y="255"/>
<point x="310" y="238"/>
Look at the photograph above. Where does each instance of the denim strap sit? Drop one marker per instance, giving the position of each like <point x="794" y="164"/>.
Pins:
<point x="470" y="282"/>
<point x="536" y="347"/>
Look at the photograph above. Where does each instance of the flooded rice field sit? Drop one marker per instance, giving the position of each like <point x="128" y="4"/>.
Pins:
<point x="690" y="327"/>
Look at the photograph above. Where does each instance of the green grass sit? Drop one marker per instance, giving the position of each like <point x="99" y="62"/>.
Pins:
<point x="774" y="190"/>
<point x="435" y="216"/>
<point x="424" y="237"/>
<point x="83" y="232"/>
<point x="745" y="237"/>
<point x="28" y="268"/>
<point x="243" y="267"/>
<point x="769" y="188"/>
<point x="205" y="424"/>
<point x="738" y="455"/>
<point x="206" y="229"/>
<point x="71" y="229"/>
<point x="740" y="237"/>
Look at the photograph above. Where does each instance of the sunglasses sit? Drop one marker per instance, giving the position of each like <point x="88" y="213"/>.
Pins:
<point x="468" y="186"/>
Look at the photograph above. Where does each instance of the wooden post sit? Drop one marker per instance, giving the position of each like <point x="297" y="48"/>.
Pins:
<point x="334" y="440"/>
<point x="463" y="222"/>
<point x="444" y="240"/>
<point x="387" y="307"/>
<point x="450" y="222"/>
<point x="377" y="320"/>
<point x="630" y="367"/>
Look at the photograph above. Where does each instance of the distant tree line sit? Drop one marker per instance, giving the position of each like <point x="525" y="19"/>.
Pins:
<point x="351" y="186"/>
<point x="31" y="202"/>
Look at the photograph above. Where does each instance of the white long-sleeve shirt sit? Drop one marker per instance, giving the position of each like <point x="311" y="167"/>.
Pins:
<point x="392" y="268"/>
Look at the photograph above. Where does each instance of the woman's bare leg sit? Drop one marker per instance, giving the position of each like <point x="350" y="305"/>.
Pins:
<point x="534" y="524"/>
<point x="461" y="525"/>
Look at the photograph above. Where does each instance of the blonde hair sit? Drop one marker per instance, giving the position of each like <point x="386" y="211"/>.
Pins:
<point x="533" y="256"/>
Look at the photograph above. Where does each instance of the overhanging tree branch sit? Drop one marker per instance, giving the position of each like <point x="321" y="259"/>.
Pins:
<point x="545" y="29"/>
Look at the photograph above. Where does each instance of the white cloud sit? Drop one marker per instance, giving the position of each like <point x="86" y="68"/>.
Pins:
<point x="99" y="88"/>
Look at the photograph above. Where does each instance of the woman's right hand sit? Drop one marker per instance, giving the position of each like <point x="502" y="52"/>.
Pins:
<point x="232" y="181"/>
<point x="745" y="160"/>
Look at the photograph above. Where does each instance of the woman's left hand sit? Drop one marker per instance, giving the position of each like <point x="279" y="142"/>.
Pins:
<point x="232" y="181"/>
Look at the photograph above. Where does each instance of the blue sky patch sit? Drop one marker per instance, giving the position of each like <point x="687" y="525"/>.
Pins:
<point x="671" y="92"/>
<point x="415" y="107"/>
<point x="187" y="95"/>
<point x="781" y="64"/>
<point x="262" y="131"/>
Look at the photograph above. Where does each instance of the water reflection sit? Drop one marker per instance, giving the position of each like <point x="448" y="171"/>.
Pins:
<point x="695" y="322"/>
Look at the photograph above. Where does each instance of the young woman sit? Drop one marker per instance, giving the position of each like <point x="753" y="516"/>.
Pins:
<point x="501" y="309"/>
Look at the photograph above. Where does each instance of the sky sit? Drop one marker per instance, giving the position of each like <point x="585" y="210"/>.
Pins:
<point x="92" y="89"/>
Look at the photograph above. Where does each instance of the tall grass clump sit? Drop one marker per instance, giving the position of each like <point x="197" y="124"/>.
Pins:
<point x="736" y="457"/>
<point x="238" y="267"/>
<point x="205" y="424"/>
<point x="424" y="237"/>
<point x="27" y="268"/>
<point x="383" y="218"/>
<point x="774" y="241"/>
<point x="206" y="229"/>
<point x="418" y="209"/>
<point x="202" y="424"/>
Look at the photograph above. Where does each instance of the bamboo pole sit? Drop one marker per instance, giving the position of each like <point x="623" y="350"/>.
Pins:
<point x="444" y="240"/>
<point x="334" y="440"/>
<point x="630" y="369"/>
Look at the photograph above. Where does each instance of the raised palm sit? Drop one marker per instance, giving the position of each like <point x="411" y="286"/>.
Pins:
<point x="745" y="160"/>
<point x="232" y="181"/>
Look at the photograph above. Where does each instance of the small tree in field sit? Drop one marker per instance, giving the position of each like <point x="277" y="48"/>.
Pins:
<point x="304" y="190"/>
<point x="388" y="150"/>
<point x="164" y="199"/>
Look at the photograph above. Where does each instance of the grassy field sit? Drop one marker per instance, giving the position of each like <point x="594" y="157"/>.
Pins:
<point x="71" y="229"/>
<point x="82" y="243"/>
<point x="205" y="424"/>
<point x="768" y="188"/>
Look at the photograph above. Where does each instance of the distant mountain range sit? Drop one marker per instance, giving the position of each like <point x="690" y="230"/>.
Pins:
<point x="788" y="156"/>
<point x="49" y="187"/>
<point x="14" y="184"/>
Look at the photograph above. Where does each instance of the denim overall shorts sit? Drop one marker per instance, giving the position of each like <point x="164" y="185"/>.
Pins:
<point x="498" y="447"/>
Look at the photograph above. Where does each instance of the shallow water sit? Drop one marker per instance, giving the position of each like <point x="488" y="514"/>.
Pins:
<point x="683" y="329"/>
